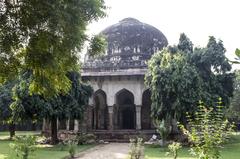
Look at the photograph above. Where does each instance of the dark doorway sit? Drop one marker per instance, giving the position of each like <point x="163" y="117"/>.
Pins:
<point x="146" y="121"/>
<point x="126" y="110"/>
<point x="128" y="118"/>
<point x="100" y="111"/>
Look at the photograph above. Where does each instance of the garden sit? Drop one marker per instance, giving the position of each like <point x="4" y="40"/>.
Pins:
<point x="41" y="150"/>
<point x="194" y="90"/>
<point x="231" y="150"/>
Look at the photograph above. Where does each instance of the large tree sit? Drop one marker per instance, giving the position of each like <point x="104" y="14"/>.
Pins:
<point x="5" y="102"/>
<point x="180" y="76"/>
<point x="44" y="37"/>
<point x="174" y="85"/>
<point x="61" y="106"/>
<point x="233" y="112"/>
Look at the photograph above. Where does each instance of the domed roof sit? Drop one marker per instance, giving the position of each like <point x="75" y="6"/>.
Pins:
<point x="130" y="44"/>
<point x="131" y="36"/>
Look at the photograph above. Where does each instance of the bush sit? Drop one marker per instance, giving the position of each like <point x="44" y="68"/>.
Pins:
<point x="136" y="148"/>
<point x="72" y="146"/>
<point x="207" y="131"/>
<point x="173" y="148"/>
<point x="85" y="138"/>
<point x="24" y="146"/>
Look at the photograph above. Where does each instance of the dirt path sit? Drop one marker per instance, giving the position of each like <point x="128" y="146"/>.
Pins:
<point x="107" y="151"/>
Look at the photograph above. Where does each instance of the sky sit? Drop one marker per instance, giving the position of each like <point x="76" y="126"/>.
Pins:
<point x="198" y="19"/>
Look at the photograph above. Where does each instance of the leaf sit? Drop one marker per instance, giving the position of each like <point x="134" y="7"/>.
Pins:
<point x="237" y="52"/>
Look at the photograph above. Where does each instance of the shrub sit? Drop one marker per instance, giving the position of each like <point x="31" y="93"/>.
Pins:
<point x="72" y="146"/>
<point x="173" y="149"/>
<point x="84" y="138"/>
<point x="136" y="148"/>
<point x="207" y="131"/>
<point x="24" y="145"/>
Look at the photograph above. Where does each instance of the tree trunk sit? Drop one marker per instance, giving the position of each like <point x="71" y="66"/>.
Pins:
<point x="54" y="131"/>
<point x="11" y="130"/>
<point x="34" y="126"/>
<point x="175" y="128"/>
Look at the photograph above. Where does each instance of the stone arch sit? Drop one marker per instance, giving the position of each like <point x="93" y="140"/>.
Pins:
<point x="146" y="121"/>
<point x="120" y="94"/>
<point x="125" y="110"/>
<point x="100" y="110"/>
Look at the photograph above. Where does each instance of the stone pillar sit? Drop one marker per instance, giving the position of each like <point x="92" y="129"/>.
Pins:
<point x="138" y="117"/>
<point x="67" y="124"/>
<point x="110" y="112"/>
<point x="76" y="125"/>
<point x="58" y="124"/>
<point x="44" y="125"/>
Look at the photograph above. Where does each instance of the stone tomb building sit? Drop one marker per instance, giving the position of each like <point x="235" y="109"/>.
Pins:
<point x="121" y="102"/>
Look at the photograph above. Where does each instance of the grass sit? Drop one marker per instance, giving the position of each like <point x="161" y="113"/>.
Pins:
<point x="230" y="151"/>
<point x="5" y="134"/>
<point x="43" y="151"/>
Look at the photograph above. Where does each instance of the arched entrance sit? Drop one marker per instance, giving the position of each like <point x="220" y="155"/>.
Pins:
<point x="125" y="110"/>
<point x="100" y="111"/>
<point x="146" y="121"/>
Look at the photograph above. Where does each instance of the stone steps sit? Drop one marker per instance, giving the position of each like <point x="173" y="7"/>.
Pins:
<point x="123" y="135"/>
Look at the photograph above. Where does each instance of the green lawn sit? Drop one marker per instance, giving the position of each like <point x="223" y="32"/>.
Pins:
<point x="230" y="151"/>
<point x="43" y="151"/>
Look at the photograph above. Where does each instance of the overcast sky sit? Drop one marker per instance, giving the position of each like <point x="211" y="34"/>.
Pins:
<point x="199" y="19"/>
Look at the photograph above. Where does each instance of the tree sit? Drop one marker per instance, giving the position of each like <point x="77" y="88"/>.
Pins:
<point x="179" y="77"/>
<point x="207" y="131"/>
<point x="174" y="85"/>
<point x="214" y="70"/>
<point x="185" y="45"/>
<point x="233" y="112"/>
<point x="61" y="106"/>
<point x="44" y="37"/>
<point x="5" y="102"/>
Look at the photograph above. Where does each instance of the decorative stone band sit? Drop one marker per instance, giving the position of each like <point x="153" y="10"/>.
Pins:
<point x="116" y="62"/>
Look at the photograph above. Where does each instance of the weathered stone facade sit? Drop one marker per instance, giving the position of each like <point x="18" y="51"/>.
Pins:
<point x="121" y="101"/>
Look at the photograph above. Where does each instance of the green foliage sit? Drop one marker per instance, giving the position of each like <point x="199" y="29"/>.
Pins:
<point x="180" y="76"/>
<point x="83" y="138"/>
<point x="136" y="148"/>
<point x="24" y="146"/>
<point x="233" y="112"/>
<point x="207" y="131"/>
<point x="237" y="53"/>
<point x="5" y="101"/>
<point x="26" y="106"/>
<point x="45" y="38"/>
<point x="185" y="45"/>
<point x="98" y="46"/>
<point x="61" y="106"/>
<point x="174" y="85"/>
<point x="72" y="146"/>
<point x="173" y="149"/>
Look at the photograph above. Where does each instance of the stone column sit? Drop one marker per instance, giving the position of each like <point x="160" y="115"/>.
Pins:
<point x="67" y="124"/>
<point x="110" y="113"/>
<point x="44" y="125"/>
<point x="138" y="117"/>
<point x="76" y="125"/>
<point x="58" y="124"/>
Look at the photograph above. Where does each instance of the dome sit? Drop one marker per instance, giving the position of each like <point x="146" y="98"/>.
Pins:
<point x="130" y="43"/>
<point x="130" y="36"/>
